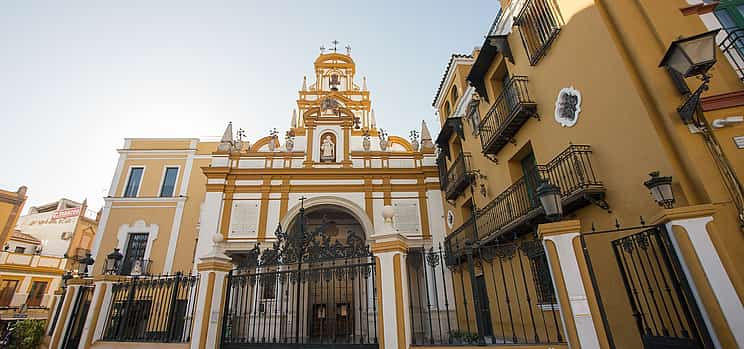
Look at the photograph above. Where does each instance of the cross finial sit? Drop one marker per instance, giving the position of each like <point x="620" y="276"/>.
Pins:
<point x="335" y="43"/>
<point x="322" y="49"/>
<point x="302" y="202"/>
<point x="348" y="50"/>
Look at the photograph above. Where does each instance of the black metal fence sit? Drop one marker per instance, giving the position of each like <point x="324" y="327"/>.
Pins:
<point x="499" y="294"/>
<point x="661" y="302"/>
<point x="329" y="302"/>
<point x="152" y="309"/>
<point x="78" y="314"/>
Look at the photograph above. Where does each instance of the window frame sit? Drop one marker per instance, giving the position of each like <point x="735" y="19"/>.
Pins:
<point x="15" y="250"/>
<point x="175" y="181"/>
<point x="41" y="293"/>
<point x="12" y="294"/>
<point x="139" y="184"/>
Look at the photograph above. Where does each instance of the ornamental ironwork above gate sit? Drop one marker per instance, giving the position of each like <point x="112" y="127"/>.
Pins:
<point x="298" y="246"/>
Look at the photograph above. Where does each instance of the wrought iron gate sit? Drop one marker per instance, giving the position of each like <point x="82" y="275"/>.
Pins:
<point x="308" y="290"/>
<point x="77" y="317"/>
<point x="666" y="314"/>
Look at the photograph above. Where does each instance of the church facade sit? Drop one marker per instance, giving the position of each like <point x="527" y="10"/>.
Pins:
<point x="176" y="206"/>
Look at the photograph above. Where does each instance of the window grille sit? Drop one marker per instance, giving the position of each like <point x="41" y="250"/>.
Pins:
<point x="539" y="23"/>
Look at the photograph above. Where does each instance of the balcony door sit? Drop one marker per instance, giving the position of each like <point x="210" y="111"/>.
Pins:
<point x="531" y="178"/>
<point x="135" y="251"/>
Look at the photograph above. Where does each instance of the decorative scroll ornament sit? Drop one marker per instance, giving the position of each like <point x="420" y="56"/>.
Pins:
<point x="299" y="246"/>
<point x="568" y="106"/>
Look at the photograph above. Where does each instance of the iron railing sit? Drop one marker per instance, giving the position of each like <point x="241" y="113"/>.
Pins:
<point x="501" y="294"/>
<point x="152" y="309"/>
<point x="458" y="176"/>
<point x="331" y="303"/>
<point x="733" y="48"/>
<point x="539" y="23"/>
<point x="508" y="113"/>
<point x="571" y="170"/>
<point x="131" y="267"/>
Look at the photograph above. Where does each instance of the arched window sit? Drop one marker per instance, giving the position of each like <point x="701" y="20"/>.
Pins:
<point x="455" y="95"/>
<point x="447" y="109"/>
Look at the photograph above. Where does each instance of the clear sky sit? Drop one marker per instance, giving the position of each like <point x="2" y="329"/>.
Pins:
<point x="77" y="77"/>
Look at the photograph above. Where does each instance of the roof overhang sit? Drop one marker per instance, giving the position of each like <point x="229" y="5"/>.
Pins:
<point x="490" y="49"/>
<point x="450" y="126"/>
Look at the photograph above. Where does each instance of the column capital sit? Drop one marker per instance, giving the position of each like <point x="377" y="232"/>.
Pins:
<point x="545" y="231"/>
<point x="215" y="263"/>
<point x="389" y="242"/>
<point x="684" y="212"/>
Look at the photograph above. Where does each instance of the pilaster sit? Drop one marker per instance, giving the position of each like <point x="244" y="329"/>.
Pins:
<point x="94" y="322"/>
<point x="578" y="304"/>
<point x="390" y="249"/>
<point x="710" y="283"/>
<point x="207" y="323"/>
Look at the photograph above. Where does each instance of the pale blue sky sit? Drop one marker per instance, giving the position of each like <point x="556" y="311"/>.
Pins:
<point x="77" y="77"/>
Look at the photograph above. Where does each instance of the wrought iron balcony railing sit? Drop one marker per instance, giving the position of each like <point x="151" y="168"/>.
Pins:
<point x="509" y="112"/>
<point x="458" y="177"/>
<point x="518" y="208"/>
<point x="733" y="48"/>
<point x="134" y="267"/>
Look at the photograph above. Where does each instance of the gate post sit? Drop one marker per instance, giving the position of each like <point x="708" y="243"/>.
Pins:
<point x="389" y="249"/>
<point x="570" y="273"/>
<point x="94" y="322"/>
<point x="703" y="266"/>
<point x="64" y="316"/>
<point x="210" y="301"/>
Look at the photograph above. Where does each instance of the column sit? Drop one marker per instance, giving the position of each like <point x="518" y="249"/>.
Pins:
<point x="389" y="249"/>
<point x="207" y="322"/>
<point x="64" y="316"/>
<point x="579" y="309"/>
<point x="100" y="301"/>
<point x="710" y="284"/>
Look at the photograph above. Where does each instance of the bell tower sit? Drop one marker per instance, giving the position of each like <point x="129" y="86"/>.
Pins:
<point x="333" y="108"/>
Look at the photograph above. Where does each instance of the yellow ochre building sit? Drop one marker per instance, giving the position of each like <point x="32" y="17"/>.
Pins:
<point x="584" y="192"/>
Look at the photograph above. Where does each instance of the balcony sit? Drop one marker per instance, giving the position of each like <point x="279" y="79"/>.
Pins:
<point x="507" y="114"/>
<point x="517" y="209"/>
<point x="134" y="267"/>
<point x="733" y="48"/>
<point x="457" y="177"/>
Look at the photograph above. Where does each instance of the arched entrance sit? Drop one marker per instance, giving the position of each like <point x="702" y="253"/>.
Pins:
<point x="313" y="285"/>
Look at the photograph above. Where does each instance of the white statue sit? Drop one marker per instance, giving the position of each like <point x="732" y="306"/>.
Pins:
<point x="327" y="149"/>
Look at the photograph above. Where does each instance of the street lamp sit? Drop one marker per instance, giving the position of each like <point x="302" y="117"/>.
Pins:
<point x="113" y="260"/>
<point x="661" y="189"/>
<point x="692" y="56"/>
<point x="84" y="263"/>
<point x="550" y="200"/>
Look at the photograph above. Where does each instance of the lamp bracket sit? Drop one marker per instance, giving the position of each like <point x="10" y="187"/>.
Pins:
<point x="492" y="158"/>
<point x="601" y="202"/>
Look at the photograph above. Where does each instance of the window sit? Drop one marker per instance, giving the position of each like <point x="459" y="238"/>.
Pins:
<point x="20" y="249"/>
<point x="474" y="115"/>
<point x="447" y="109"/>
<point x="455" y="95"/>
<point x="269" y="287"/>
<point x="133" y="184"/>
<point x="7" y="290"/>
<point x="134" y="254"/>
<point x="36" y="294"/>
<point x="169" y="182"/>
<point x="539" y="23"/>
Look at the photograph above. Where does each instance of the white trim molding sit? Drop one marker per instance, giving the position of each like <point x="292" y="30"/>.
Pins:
<point x="577" y="298"/>
<point x="716" y="274"/>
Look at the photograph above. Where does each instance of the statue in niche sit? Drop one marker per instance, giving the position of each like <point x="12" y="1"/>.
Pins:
<point x="327" y="150"/>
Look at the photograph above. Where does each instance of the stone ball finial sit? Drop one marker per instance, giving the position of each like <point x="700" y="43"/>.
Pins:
<point x="217" y="238"/>
<point x="388" y="212"/>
